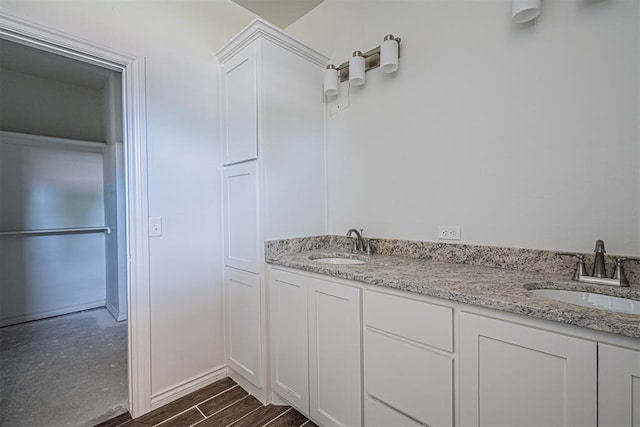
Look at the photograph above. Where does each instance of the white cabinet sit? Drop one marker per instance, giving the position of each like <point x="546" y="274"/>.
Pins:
<point x="407" y="360"/>
<point x="334" y="354"/>
<point x="289" y="338"/>
<point x="315" y="347"/>
<point x="239" y="91"/>
<point x="618" y="386"/>
<point x="243" y="344"/>
<point x="273" y="151"/>
<point x="241" y="217"/>
<point x="408" y="367"/>
<point x="514" y="375"/>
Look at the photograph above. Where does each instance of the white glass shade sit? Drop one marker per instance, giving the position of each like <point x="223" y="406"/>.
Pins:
<point x="356" y="70"/>
<point x="330" y="82"/>
<point x="524" y="10"/>
<point x="389" y="56"/>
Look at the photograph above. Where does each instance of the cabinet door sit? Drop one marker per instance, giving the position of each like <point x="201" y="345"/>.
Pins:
<point x="618" y="386"/>
<point x="334" y="354"/>
<point x="243" y="326"/>
<point x="239" y="90"/>
<point x="289" y="338"/>
<point x="241" y="216"/>
<point x="513" y="375"/>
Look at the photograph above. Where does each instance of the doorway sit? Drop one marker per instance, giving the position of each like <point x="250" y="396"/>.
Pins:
<point x="131" y="67"/>
<point x="63" y="304"/>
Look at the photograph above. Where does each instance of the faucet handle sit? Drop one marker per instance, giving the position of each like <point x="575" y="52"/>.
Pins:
<point x="581" y="270"/>
<point x="618" y="272"/>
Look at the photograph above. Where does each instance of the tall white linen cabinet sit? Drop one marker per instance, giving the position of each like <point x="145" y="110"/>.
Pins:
<point x="274" y="184"/>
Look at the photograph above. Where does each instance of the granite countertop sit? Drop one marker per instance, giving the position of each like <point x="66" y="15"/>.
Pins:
<point x="496" y="288"/>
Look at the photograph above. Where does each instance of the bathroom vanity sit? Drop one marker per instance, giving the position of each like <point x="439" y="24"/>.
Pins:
<point x="409" y="341"/>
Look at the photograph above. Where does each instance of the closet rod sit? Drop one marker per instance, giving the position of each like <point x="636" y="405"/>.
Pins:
<point x="52" y="231"/>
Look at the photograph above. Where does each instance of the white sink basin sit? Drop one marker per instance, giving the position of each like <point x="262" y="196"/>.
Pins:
<point x="341" y="261"/>
<point x="339" y="258"/>
<point x="588" y="299"/>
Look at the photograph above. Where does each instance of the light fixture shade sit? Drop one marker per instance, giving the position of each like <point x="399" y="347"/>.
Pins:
<point x="356" y="69"/>
<point x="331" y="81"/>
<point x="389" y="55"/>
<point x="524" y="10"/>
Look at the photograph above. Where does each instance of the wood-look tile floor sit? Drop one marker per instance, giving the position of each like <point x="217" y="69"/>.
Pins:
<point x="223" y="403"/>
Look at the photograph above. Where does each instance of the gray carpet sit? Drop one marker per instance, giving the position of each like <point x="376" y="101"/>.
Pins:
<point x="64" y="371"/>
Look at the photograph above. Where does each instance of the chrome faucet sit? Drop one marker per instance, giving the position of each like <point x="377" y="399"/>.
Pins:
<point x="598" y="265"/>
<point x="360" y="244"/>
<point x="599" y="275"/>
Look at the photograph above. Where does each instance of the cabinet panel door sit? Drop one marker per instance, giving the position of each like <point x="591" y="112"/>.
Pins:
<point x="618" y="386"/>
<point x="239" y="90"/>
<point x="334" y="354"/>
<point x="513" y="375"/>
<point x="289" y="338"/>
<point x="411" y="379"/>
<point x="241" y="216"/>
<point x="244" y="337"/>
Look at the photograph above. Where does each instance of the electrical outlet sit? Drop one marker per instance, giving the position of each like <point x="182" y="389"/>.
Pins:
<point x="155" y="227"/>
<point x="449" y="232"/>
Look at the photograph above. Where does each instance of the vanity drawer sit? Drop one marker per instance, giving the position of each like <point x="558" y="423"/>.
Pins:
<point x="413" y="379"/>
<point x="419" y="321"/>
<point x="377" y="414"/>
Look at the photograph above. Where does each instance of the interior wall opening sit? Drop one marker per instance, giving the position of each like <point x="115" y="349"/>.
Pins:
<point x="63" y="272"/>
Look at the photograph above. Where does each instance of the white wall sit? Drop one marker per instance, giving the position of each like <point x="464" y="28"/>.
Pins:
<point x="41" y="188"/>
<point x="114" y="198"/>
<point x="32" y="104"/>
<point x="178" y="40"/>
<point x="524" y="135"/>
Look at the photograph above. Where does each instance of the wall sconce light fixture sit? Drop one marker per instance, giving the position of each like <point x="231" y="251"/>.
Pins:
<point x="384" y="56"/>
<point x="524" y="10"/>
<point x="389" y="54"/>
<point x="331" y="80"/>
<point x="356" y="69"/>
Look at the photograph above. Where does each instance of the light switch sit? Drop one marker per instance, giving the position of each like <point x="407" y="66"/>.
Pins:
<point x="155" y="226"/>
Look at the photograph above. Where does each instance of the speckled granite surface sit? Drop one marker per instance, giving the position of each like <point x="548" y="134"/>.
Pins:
<point x="466" y="274"/>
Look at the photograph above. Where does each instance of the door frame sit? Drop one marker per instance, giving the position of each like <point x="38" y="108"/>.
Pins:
<point x="132" y="69"/>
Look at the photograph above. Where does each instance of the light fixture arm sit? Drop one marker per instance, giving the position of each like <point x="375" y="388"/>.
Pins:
<point x="371" y="60"/>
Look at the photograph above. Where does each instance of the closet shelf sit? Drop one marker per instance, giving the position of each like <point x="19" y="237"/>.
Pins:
<point x="56" y="231"/>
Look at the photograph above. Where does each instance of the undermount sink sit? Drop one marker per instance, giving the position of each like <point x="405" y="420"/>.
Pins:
<point x="339" y="259"/>
<point x="588" y="299"/>
<point x="344" y="261"/>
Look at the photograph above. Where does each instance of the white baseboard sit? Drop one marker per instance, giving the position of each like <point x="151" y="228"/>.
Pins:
<point x="50" y="313"/>
<point x="190" y="385"/>
<point x="116" y="313"/>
